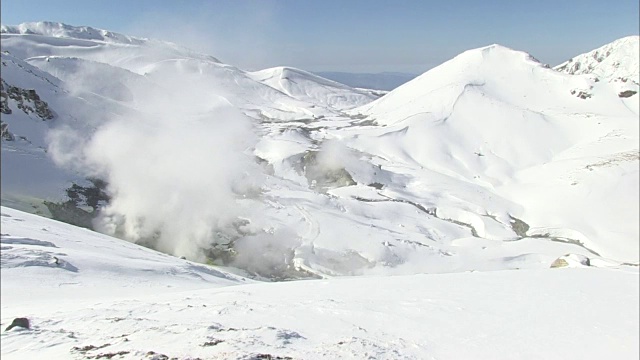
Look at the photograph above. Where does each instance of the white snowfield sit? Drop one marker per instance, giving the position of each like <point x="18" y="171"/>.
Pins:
<point x="105" y="296"/>
<point x="442" y="203"/>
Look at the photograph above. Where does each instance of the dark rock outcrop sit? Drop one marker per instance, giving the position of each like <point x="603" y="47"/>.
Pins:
<point x="20" y="322"/>
<point x="5" y="134"/>
<point x="28" y="101"/>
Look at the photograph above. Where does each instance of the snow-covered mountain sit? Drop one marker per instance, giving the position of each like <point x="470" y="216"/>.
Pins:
<point x="479" y="148"/>
<point x="616" y="62"/>
<point x="488" y="162"/>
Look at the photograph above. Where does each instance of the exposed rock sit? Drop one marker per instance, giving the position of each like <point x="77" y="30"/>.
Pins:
<point x="581" y="94"/>
<point x="4" y="100"/>
<point x="20" y="322"/>
<point x="571" y="260"/>
<point x="519" y="226"/>
<point x="627" y="93"/>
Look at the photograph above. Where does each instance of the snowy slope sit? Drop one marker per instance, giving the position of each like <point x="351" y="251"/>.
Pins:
<point x="106" y="296"/>
<point x="616" y="60"/>
<point x="36" y="103"/>
<point x="50" y="39"/>
<point x="39" y="43"/>
<point x="385" y="81"/>
<point x="617" y="63"/>
<point x="314" y="89"/>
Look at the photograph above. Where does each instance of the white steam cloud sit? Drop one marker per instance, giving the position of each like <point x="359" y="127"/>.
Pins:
<point x="174" y="164"/>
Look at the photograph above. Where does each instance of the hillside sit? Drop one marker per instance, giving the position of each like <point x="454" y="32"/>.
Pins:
<point x="88" y="295"/>
<point x="277" y="214"/>
<point x="459" y="169"/>
<point x="311" y="88"/>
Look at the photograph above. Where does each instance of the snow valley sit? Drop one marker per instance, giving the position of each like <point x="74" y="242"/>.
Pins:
<point x="444" y="201"/>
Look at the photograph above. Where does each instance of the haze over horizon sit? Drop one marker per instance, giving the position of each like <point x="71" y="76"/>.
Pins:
<point x="356" y="36"/>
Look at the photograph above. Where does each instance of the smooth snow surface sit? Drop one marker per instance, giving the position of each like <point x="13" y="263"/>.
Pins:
<point x="107" y="296"/>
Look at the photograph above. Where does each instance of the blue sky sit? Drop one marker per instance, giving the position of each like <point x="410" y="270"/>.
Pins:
<point x="349" y="35"/>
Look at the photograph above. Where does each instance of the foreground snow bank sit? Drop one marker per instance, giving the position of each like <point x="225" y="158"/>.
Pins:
<point x="106" y="297"/>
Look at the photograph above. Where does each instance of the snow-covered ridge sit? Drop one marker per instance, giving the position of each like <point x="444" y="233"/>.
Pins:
<point x="60" y="30"/>
<point x="87" y="295"/>
<point x="440" y="166"/>
<point x="616" y="60"/>
<point x="482" y="117"/>
<point x="506" y="74"/>
<point x="306" y="86"/>
<point x="55" y="39"/>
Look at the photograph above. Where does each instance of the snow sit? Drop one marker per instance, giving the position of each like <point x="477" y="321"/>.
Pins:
<point x="443" y="202"/>
<point x="314" y="89"/>
<point x="616" y="60"/>
<point x="616" y="63"/>
<point x="534" y="144"/>
<point x="107" y="296"/>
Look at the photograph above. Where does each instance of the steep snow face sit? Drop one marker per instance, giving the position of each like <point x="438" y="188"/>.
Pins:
<point x="311" y="88"/>
<point x="616" y="60"/>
